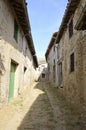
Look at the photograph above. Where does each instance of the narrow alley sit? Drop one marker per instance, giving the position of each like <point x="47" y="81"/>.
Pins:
<point x="42" y="108"/>
<point x="42" y="65"/>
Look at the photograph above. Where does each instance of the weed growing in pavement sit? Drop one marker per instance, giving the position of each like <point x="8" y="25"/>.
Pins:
<point x="70" y="112"/>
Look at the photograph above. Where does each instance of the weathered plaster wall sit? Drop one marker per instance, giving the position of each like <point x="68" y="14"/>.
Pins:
<point x="12" y="50"/>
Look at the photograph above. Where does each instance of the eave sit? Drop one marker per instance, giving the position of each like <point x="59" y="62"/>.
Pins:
<point x="20" y="10"/>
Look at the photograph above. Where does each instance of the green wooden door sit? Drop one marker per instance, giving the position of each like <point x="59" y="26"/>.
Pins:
<point x="12" y="79"/>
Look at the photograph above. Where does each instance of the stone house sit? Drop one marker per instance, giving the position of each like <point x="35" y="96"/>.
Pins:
<point x="71" y="41"/>
<point x="51" y="58"/>
<point x="42" y="72"/>
<point x="18" y="59"/>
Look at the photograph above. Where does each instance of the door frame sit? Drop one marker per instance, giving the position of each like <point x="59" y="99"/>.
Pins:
<point x="13" y="67"/>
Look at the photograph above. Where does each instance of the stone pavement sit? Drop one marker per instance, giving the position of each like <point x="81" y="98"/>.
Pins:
<point x="41" y="108"/>
<point x="67" y="116"/>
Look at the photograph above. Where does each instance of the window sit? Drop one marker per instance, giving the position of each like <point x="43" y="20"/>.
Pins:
<point x="60" y="74"/>
<point x="25" y="69"/>
<point x="54" y="76"/>
<point x="15" y="30"/>
<point x="43" y="75"/>
<point x="48" y="67"/>
<point x="54" y="61"/>
<point x="71" y="28"/>
<point x="72" y="62"/>
<point x="57" y="53"/>
<point x="26" y="50"/>
<point x="54" y="48"/>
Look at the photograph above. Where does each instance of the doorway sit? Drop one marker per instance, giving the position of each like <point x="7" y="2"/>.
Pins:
<point x="12" y="80"/>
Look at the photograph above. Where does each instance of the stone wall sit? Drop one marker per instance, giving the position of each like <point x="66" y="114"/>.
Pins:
<point x="52" y="74"/>
<point x="11" y="51"/>
<point x="74" y="83"/>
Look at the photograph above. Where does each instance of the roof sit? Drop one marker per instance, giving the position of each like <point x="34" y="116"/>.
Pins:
<point x="70" y="9"/>
<point x="51" y="44"/>
<point x="20" y="9"/>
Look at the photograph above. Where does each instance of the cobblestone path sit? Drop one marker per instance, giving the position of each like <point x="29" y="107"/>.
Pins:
<point x="38" y="109"/>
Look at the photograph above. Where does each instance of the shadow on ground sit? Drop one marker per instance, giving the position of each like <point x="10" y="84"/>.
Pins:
<point x="39" y="115"/>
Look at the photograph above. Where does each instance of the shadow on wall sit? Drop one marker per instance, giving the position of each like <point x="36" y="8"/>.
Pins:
<point x="39" y="115"/>
<point x="2" y="68"/>
<point x="20" y="46"/>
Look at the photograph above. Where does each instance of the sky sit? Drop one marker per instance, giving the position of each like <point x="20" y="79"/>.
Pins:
<point x="45" y="18"/>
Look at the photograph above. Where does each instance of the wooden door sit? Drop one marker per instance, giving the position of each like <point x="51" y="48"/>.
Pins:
<point x="12" y="79"/>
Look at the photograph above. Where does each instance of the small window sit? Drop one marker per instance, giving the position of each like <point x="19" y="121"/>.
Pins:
<point x="57" y="52"/>
<point x="43" y="75"/>
<point x="71" y="28"/>
<point x="54" y="48"/>
<point x="72" y="62"/>
<point x="15" y="31"/>
<point x="25" y="69"/>
<point x="26" y="50"/>
<point x="54" y="61"/>
<point x="60" y="73"/>
<point x="48" y="67"/>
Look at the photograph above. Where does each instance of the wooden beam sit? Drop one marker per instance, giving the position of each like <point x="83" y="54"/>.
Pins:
<point x="18" y="9"/>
